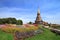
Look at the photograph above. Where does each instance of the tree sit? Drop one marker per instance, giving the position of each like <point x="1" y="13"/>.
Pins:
<point x="30" y="22"/>
<point x="10" y="21"/>
<point x="19" y="22"/>
<point x="1" y="21"/>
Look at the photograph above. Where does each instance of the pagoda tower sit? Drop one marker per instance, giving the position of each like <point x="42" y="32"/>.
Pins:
<point x="38" y="18"/>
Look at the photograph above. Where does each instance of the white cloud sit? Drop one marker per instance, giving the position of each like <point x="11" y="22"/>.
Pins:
<point x="24" y="14"/>
<point x="28" y="15"/>
<point x="51" y="18"/>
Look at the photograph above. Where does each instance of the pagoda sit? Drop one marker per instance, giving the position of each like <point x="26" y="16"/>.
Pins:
<point x="38" y="18"/>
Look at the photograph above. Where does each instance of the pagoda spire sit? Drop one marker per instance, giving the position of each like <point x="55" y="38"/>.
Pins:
<point x="38" y="10"/>
<point x="38" y="18"/>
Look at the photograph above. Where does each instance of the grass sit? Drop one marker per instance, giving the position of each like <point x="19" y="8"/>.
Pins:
<point x="47" y="35"/>
<point x="5" y="36"/>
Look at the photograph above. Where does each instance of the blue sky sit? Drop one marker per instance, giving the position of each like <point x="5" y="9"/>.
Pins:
<point x="26" y="10"/>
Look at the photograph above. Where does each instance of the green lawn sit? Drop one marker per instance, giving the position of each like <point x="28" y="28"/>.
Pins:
<point x="47" y="35"/>
<point x="5" y="36"/>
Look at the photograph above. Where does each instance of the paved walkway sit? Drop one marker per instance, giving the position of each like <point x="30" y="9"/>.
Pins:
<point x="53" y="29"/>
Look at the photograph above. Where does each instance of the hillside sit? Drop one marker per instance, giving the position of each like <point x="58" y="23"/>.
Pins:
<point x="5" y="36"/>
<point x="47" y="35"/>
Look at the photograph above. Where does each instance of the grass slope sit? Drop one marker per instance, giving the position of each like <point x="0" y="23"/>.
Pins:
<point x="47" y="35"/>
<point x="5" y="36"/>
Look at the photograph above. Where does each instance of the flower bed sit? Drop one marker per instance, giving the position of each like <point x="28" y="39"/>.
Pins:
<point x="12" y="29"/>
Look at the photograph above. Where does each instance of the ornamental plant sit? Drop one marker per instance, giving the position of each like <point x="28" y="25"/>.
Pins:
<point x="12" y="29"/>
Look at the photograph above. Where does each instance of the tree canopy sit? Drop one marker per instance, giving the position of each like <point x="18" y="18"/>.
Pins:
<point x="30" y="22"/>
<point x="10" y="21"/>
